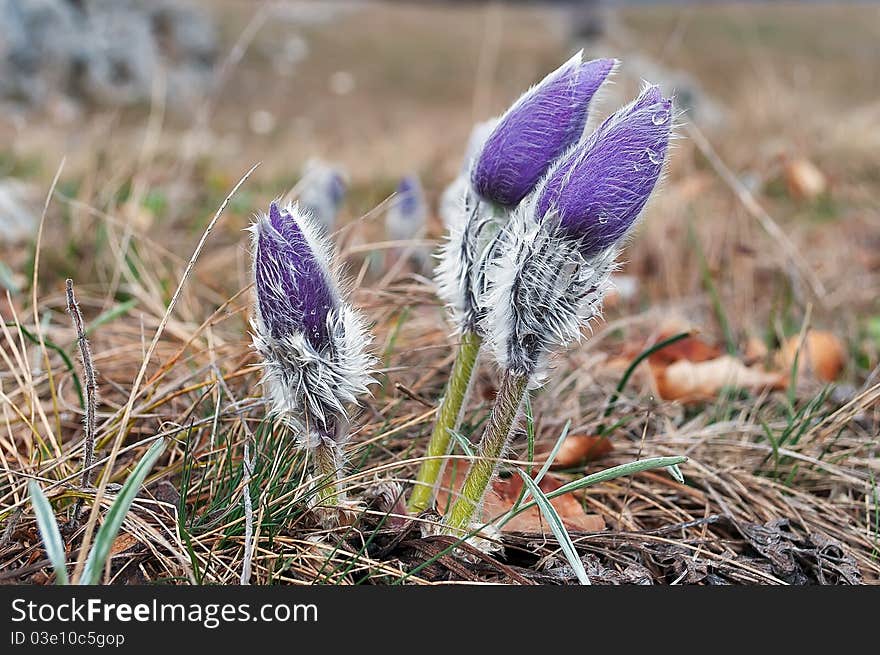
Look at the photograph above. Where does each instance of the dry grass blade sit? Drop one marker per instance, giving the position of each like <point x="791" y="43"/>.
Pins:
<point x="135" y="389"/>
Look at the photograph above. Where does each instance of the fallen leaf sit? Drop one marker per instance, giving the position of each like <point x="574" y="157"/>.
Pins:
<point x="504" y="493"/>
<point x="122" y="543"/>
<point x="822" y="355"/>
<point x="690" y="381"/>
<point x="579" y="448"/>
<point x="692" y="349"/>
<point x="804" y="179"/>
<point x="756" y="350"/>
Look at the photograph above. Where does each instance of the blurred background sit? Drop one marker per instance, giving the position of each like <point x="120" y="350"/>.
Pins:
<point x="158" y="107"/>
<point x="124" y="124"/>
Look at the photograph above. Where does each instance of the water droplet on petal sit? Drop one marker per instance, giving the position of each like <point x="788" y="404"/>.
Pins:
<point x="660" y="117"/>
<point x="653" y="157"/>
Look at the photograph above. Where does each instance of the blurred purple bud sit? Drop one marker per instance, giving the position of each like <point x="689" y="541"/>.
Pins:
<point x="408" y="213"/>
<point x="409" y="197"/>
<point x="537" y="129"/>
<point x="293" y="286"/>
<point x="322" y="192"/>
<point x="337" y="188"/>
<point x="598" y="191"/>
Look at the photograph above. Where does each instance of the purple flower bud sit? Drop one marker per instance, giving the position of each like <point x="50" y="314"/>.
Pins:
<point x="293" y="284"/>
<point x="537" y="129"/>
<point x="409" y="196"/>
<point x="322" y="192"/>
<point x="408" y="212"/>
<point x="599" y="189"/>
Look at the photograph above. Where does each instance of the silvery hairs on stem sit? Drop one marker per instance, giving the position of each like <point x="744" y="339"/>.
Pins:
<point x="540" y="126"/>
<point x="560" y="247"/>
<point x="313" y="343"/>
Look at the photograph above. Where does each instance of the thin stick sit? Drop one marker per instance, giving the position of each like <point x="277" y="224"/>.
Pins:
<point x="247" y="467"/>
<point x="91" y="397"/>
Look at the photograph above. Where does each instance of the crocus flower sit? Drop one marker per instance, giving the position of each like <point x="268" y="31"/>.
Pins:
<point x="313" y="344"/>
<point x="541" y="125"/>
<point x="552" y="277"/>
<point x="322" y="192"/>
<point x="537" y="128"/>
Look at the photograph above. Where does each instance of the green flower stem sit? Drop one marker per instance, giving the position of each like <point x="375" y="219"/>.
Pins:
<point x="447" y="420"/>
<point x="501" y="422"/>
<point x="327" y="466"/>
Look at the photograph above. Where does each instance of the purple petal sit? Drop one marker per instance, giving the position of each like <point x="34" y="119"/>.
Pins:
<point x="598" y="191"/>
<point x="293" y="291"/>
<point x="538" y="128"/>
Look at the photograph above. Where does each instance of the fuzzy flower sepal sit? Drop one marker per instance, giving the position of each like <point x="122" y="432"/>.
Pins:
<point x="473" y="241"/>
<point x="308" y="387"/>
<point x="542" y="292"/>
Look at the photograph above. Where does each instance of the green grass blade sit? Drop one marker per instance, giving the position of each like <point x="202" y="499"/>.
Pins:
<point x="463" y="443"/>
<point x="610" y="474"/>
<point x="553" y="453"/>
<point x="558" y="528"/>
<point x="676" y="473"/>
<point x="113" y="521"/>
<point x="524" y="493"/>
<point x="49" y="532"/>
<point x="612" y="401"/>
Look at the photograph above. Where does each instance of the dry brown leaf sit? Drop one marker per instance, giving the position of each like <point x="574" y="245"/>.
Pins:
<point x="504" y="493"/>
<point x="579" y="448"/>
<point x="690" y="381"/>
<point x="122" y="543"/>
<point x="756" y="350"/>
<point x="692" y="349"/>
<point x="804" y="179"/>
<point x="822" y="355"/>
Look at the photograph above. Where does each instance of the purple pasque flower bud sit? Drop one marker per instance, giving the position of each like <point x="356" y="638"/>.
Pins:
<point x="410" y="197"/>
<point x="408" y="212"/>
<point x="598" y="189"/>
<point x="537" y="129"/>
<point x="294" y="292"/>
<point x="313" y="343"/>
<point x="322" y="192"/>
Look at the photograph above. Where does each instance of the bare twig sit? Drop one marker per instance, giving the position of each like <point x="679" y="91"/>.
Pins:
<point x="91" y="396"/>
